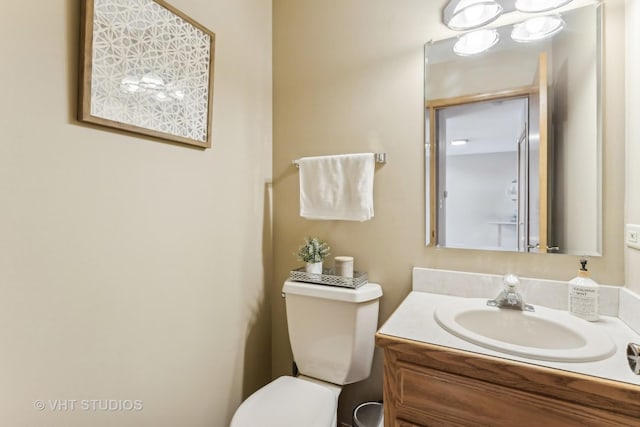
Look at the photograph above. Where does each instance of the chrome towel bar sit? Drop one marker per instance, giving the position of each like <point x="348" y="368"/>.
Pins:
<point x="380" y="158"/>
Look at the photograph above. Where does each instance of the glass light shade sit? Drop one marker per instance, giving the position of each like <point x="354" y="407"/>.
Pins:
<point x="538" y="28"/>
<point x="469" y="14"/>
<point x="535" y="6"/>
<point x="476" y="42"/>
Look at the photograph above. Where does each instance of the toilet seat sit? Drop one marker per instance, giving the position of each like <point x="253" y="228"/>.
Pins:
<point x="288" y="402"/>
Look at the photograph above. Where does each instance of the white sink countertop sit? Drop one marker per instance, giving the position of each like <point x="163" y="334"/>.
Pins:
<point x="414" y="320"/>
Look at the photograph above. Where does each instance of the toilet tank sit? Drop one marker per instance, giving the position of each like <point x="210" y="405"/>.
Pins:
<point x="332" y="329"/>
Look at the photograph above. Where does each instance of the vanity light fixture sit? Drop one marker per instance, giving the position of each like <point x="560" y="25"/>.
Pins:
<point x="463" y="15"/>
<point x="538" y="28"/>
<point x="476" y="42"/>
<point x="459" y="141"/>
<point x="536" y="6"/>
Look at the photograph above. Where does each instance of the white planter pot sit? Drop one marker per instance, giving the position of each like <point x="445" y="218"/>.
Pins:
<point x="313" y="267"/>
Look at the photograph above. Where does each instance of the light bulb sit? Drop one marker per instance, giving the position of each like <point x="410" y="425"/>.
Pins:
<point x="476" y="42"/>
<point x="474" y="13"/>
<point x="538" y="28"/>
<point x="469" y="14"/>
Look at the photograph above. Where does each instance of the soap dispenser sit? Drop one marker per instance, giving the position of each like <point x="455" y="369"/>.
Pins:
<point x="583" y="295"/>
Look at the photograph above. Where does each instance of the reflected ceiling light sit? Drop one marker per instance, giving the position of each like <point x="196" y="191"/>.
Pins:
<point x="153" y="85"/>
<point x="538" y="28"/>
<point x="475" y="42"/>
<point x="151" y="81"/>
<point x="130" y="84"/>
<point x="459" y="141"/>
<point x="535" y="6"/>
<point x="469" y="14"/>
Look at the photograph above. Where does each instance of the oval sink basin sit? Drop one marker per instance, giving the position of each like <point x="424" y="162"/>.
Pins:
<point x="545" y="334"/>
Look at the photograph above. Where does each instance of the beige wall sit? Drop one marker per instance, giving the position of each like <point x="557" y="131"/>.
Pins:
<point x="348" y="77"/>
<point x="632" y="257"/>
<point x="132" y="268"/>
<point x="474" y="75"/>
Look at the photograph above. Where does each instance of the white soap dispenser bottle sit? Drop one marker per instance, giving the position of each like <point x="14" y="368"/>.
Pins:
<point x="583" y="295"/>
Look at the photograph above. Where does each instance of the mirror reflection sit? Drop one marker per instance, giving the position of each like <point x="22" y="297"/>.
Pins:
<point x="513" y="141"/>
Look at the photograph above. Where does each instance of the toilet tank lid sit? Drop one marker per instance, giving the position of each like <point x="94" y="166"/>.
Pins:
<point x="366" y="292"/>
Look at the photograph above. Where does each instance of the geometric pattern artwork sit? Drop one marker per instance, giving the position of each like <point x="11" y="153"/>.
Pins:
<point x="150" y="70"/>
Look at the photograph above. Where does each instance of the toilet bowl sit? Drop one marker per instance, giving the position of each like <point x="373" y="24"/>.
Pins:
<point x="289" y="401"/>
<point x="331" y="331"/>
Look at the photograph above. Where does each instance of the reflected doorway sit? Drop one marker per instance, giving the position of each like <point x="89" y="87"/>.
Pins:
<point x="487" y="187"/>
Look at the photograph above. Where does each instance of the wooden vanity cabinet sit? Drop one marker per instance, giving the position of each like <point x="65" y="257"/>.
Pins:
<point x="430" y="385"/>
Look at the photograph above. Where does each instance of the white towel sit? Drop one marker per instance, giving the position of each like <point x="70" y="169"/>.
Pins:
<point x="337" y="187"/>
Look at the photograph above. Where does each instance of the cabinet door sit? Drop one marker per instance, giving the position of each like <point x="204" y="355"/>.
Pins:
<point x="403" y="423"/>
<point x="434" y="398"/>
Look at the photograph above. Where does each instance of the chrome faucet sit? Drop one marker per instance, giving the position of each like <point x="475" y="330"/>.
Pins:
<point x="509" y="297"/>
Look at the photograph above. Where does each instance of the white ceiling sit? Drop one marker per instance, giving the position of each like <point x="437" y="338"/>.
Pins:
<point x="490" y="127"/>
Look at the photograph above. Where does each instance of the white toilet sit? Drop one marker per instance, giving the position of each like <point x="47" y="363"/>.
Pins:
<point x="331" y="331"/>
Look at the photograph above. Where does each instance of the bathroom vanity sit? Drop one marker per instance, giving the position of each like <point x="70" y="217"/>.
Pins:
<point x="432" y="385"/>
<point x="435" y="378"/>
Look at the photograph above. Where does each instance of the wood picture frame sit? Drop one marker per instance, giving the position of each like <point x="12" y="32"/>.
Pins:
<point x="147" y="68"/>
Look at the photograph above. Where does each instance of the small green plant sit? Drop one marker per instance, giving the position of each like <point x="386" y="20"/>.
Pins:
<point x="313" y="250"/>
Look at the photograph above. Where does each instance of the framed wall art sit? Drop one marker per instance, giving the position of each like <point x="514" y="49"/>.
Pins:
<point x="146" y="68"/>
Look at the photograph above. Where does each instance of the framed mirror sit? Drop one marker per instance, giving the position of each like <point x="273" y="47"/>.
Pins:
<point x="513" y="141"/>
